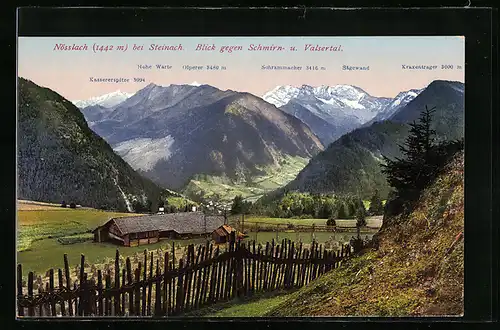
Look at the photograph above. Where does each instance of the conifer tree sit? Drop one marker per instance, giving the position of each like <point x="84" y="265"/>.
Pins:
<point x="376" y="207"/>
<point x="360" y="217"/>
<point x="422" y="161"/>
<point x="341" y="214"/>
<point x="351" y="209"/>
<point x="408" y="175"/>
<point x="237" y="206"/>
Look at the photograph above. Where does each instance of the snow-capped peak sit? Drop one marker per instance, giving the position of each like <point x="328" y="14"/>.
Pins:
<point x="404" y="98"/>
<point x="345" y="94"/>
<point x="106" y="100"/>
<point x="401" y="100"/>
<point x="195" y="83"/>
<point x="281" y="95"/>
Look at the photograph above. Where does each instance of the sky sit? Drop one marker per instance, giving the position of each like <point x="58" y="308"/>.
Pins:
<point x="68" y="72"/>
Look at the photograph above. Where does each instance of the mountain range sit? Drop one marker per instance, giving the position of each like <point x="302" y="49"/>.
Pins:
<point x="61" y="159"/>
<point x="206" y="142"/>
<point x="351" y="164"/>
<point x="332" y="111"/>
<point x="183" y="136"/>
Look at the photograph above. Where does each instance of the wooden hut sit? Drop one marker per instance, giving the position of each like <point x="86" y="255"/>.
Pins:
<point x="224" y="233"/>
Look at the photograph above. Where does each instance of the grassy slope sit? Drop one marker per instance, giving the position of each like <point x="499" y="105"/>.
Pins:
<point x="257" y="305"/>
<point x="410" y="274"/>
<point x="35" y="225"/>
<point x="253" y="308"/>
<point x="44" y="236"/>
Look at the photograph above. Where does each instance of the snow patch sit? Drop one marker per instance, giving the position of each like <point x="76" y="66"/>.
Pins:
<point x="144" y="153"/>
<point x="350" y="103"/>
<point x="106" y="100"/>
<point x="457" y="88"/>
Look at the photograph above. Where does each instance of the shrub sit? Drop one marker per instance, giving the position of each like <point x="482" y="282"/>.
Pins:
<point x="72" y="205"/>
<point x="67" y="240"/>
<point x="331" y="222"/>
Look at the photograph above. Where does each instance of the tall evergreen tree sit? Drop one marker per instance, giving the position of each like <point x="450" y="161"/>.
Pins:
<point x="360" y="217"/>
<point x="376" y="207"/>
<point x="422" y="161"/>
<point x="410" y="173"/>
<point x="351" y="209"/>
<point x="341" y="214"/>
<point x="237" y="206"/>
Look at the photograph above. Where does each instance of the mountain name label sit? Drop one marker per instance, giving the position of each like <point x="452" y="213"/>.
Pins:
<point x="157" y="66"/>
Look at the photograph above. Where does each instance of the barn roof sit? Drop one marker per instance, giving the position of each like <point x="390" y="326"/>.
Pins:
<point x="224" y="230"/>
<point x="220" y="232"/>
<point x="227" y="228"/>
<point x="182" y="223"/>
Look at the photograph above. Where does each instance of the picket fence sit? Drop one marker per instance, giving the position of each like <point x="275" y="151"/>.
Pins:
<point x="209" y="276"/>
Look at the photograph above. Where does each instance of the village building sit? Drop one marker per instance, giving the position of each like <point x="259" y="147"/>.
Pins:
<point x="148" y="229"/>
<point x="222" y="234"/>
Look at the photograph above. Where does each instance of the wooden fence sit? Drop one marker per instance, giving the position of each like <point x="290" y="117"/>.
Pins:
<point x="206" y="276"/>
<point x="268" y="226"/>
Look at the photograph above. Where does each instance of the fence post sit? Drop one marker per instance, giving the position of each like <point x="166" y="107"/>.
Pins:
<point x="124" y="274"/>
<point x="92" y="300"/>
<point x="61" y="286"/>
<point x="150" y="283"/>
<point x="158" y="290"/>
<point x="100" y="310"/>
<point x="117" y="283"/>
<point x="40" y="307"/>
<point x="80" y="291"/>
<point x="217" y="275"/>
<point x="46" y="306"/>
<point x="68" y="284"/>
<point x="292" y="265"/>
<point x="20" y="309"/>
<point x="165" y="271"/>
<point x="179" y="294"/>
<point x="239" y="268"/>
<point x="144" y="287"/>
<point x="51" y="292"/>
<point x="137" y="290"/>
<point x="199" y="278"/>
<point x="84" y="297"/>
<point x="31" y="310"/>
<point x="131" y="290"/>
<point x="107" y="298"/>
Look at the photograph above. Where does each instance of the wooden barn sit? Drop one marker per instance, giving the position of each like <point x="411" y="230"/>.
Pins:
<point x="148" y="229"/>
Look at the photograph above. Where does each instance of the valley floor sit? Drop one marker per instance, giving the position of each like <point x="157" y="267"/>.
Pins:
<point x="46" y="232"/>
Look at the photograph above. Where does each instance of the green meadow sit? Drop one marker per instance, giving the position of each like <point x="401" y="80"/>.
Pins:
<point x="45" y="235"/>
